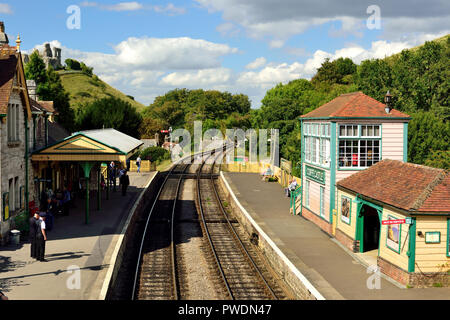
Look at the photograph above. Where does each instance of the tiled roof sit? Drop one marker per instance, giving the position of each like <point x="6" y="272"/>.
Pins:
<point x="48" y="106"/>
<point x="41" y="106"/>
<point x="35" y="106"/>
<point x="439" y="200"/>
<point x="8" y="66"/>
<point x="404" y="185"/>
<point x="354" y="105"/>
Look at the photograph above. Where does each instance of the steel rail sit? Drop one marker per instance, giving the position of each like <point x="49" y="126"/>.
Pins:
<point x="236" y="236"/>
<point x="219" y="265"/>
<point x="138" y="265"/>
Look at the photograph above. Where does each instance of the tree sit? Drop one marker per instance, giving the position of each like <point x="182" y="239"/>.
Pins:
<point x="109" y="113"/>
<point x="73" y="64"/>
<point x="339" y="71"/>
<point x="439" y="159"/>
<point x="155" y="154"/>
<point x="151" y="126"/>
<point x="50" y="88"/>
<point x="35" y="69"/>
<point x="54" y="91"/>
<point x="427" y="134"/>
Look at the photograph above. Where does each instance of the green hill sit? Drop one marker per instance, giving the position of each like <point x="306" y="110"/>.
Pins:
<point x="85" y="89"/>
<point x="441" y="41"/>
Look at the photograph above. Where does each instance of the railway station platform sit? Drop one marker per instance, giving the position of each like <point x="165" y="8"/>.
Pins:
<point x="333" y="270"/>
<point x="71" y="244"/>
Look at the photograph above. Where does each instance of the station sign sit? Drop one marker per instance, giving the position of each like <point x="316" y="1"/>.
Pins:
<point x="397" y="221"/>
<point x="315" y="174"/>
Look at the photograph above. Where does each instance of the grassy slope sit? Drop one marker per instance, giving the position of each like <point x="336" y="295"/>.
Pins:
<point x="84" y="89"/>
<point x="441" y="40"/>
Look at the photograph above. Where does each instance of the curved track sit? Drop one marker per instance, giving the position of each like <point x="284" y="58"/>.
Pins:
<point x="241" y="270"/>
<point x="240" y="274"/>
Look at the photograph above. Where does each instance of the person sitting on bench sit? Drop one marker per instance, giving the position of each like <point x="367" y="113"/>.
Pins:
<point x="292" y="186"/>
<point x="267" y="174"/>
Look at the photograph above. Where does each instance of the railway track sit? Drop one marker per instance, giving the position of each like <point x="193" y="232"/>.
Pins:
<point x="234" y="262"/>
<point x="156" y="275"/>
<point x="238" y="269"/>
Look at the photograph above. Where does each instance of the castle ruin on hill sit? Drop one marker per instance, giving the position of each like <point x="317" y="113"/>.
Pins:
<point x="50" y="57"/>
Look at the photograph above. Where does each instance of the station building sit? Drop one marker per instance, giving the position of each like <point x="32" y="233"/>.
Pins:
<point x="415" y="249"/>
<point x="15" y="114"/>
<point x="24" y="127"/>
<point x="347" y="135"/>
<point x="356" y="180"/>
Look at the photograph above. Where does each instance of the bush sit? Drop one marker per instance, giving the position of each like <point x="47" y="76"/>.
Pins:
<point x="73" y="64"/>
<point x="155" y="154"/>
<point x="86" y="70"/>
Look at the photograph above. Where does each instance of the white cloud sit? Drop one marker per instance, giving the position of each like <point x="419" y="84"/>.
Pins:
<point x="5" y="8"/>
<point x="277" y="21"/>
<point x="122" y="6"/>
<point x="125" y="6"/>
<point x="228" y="29"/>
<point x="171" y="53"/>
<point x="208" y="78"/>
<point x="170" y="9"/>
<point x="149" y="67"/>
<point x="259" y="62"/>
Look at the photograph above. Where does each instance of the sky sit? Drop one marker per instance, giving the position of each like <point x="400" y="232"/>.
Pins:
<point x="146" y="48"/>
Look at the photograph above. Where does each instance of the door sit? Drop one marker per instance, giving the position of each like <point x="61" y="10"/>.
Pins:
<point x="371" y="233"/>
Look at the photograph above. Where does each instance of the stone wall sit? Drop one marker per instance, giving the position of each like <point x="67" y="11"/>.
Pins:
<point x="12" y="166"/>
<point x="121" y="268"/>
<point x="279" y="263"/>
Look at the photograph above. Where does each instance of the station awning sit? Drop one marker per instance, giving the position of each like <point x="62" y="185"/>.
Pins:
<point x="91" y="146"/>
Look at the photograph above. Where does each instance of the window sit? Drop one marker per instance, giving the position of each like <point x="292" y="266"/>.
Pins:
<point x="308" y="183"/>
<point x="16" y="194"/>
<point x="370" y="131"/>
<point x="17" y="124"/>
<point x="13" y="122"/>
<point x="348" y="131"/>
<point x="359" y="151"/>
<point x="317" y="143"/>
<point x="322" y="202"/>
<point x="308" y="149"/>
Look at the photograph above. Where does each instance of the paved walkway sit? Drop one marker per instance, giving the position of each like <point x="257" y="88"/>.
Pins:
<point x="71" y="243"/>
<point x="333" y="270"/>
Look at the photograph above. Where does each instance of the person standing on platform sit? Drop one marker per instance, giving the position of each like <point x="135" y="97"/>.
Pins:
<point x="138" y="163"/>
<point x="125" y="182"/>
<point x="66" y="202"/>
<point x="33" y="233"/>
<point x="112" y="168"/>
<point x="41" y="238"/>
<point x="50" y="214"/>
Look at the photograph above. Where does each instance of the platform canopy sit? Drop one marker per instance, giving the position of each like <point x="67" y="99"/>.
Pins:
<point x="91" y="146"/>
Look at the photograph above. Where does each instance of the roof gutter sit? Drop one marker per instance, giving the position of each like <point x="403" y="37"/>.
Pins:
<point x="353" y="118"/>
